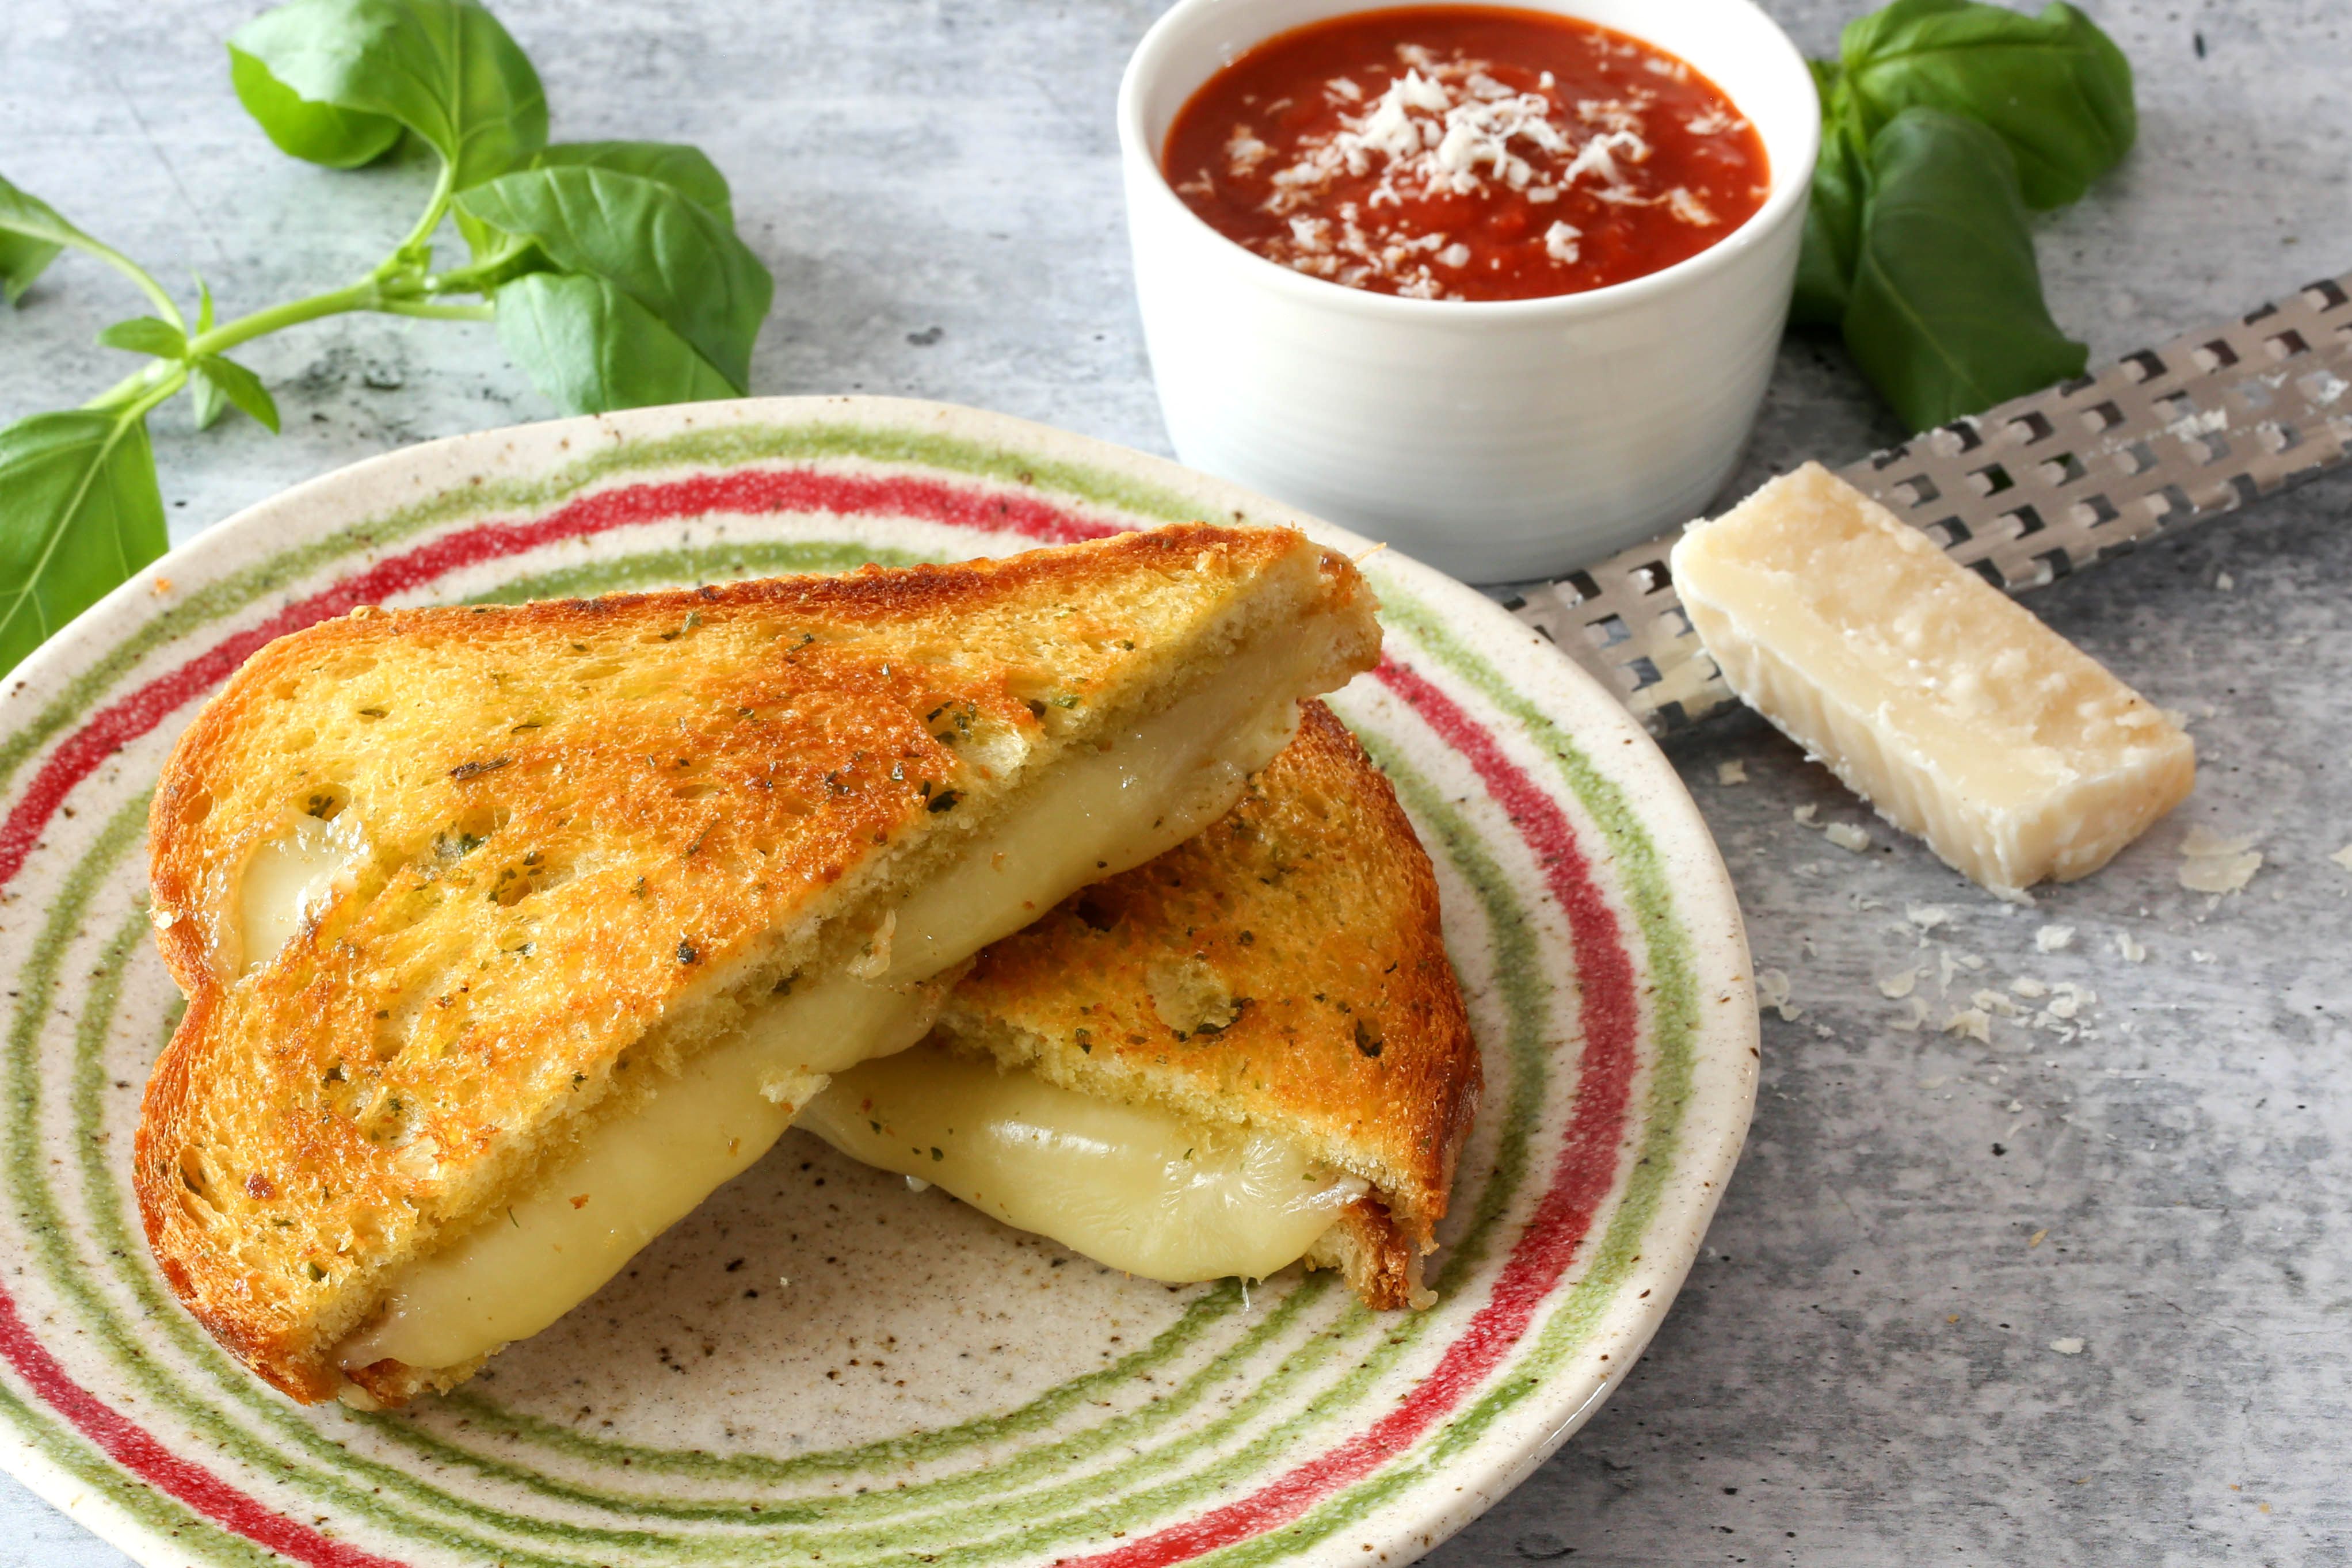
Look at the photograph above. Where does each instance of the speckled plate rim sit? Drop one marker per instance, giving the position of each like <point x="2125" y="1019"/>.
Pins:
<point x="1017" y="478"/>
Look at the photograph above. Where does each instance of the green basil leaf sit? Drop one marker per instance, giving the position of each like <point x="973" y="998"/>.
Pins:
<point x="31" y="235"/>
<point x="210" y="401"/>
<point x="1833" y="219"/>
<point x="1947" y="317"/>
<point x="314" y="132"/>
<point x="146" y="335"/>
<point x="23" y="259"/>
<point x="79" y="512"/>
<point x="589" y="348"/>
<point x="671" y="255"/>
<point x="444" y="68"/>
<point x="2055" y="88"/>
<point x="239" y="386"/>
<point x="683" y="169"/>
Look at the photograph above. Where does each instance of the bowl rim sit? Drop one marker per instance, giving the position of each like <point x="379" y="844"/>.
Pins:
<point x="1790" y="184"/>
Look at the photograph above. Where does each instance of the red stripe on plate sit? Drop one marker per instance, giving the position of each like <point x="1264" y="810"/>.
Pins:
<point x="1582" y="1178"/>
<point x="133" y="1449"/>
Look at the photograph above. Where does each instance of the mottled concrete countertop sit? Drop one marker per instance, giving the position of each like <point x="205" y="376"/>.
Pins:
<point x="2081" y="1292"/>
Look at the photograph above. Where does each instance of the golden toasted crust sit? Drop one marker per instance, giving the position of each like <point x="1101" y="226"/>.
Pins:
<point x="588" y="827"/>
<point x="1376" y="1258"/>
<point x="1286" y="969"/>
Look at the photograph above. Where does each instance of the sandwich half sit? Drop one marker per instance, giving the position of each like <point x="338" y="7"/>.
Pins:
<point x="509" y="933"/>
<point x="1249" y="1051"/>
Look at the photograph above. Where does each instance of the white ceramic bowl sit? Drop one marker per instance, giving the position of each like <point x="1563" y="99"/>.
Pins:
<point x="1496" y="440"/>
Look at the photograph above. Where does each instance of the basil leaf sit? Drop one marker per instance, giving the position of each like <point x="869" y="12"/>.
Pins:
<point x="146" y="335"/>
<point x="31" y="235"/>
<point x="444" y="68"/>
<point x="1947" y="317"/>
<point x="683" y="169"/>
<point x="314" y="132"/>
<point x="589" y="348"/>
<point x="1832" y="218"/>
<point x="210" y="404"/>
<point x="239" y="386"/>
<point x="79" y="512"/>
<point x="674" y="257"/>
<point x="2054" y="87"/>
<point x="210" y="401"/>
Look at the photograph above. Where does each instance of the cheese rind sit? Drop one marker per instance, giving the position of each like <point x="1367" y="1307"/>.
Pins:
<point x="1937" y="698"/>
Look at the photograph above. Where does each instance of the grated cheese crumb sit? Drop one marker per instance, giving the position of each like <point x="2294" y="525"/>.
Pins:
<point x="2025" y="985"/>
<point x="1971" y="1022"/>
<point x="2053" y="938"/>
<point x="2342" y="857"/>
<point x="1896" y="987"/>
<point x="1910" y="1025"/>
<point x="2130" y="951"/>
<point x="1736" y="772"/>
<point x="1993" y="1002"/>
<point x="2219" y="873"/>
<point x="2204" y="843"/>
<point x="1687" y="208"/>
<point x="2067" y="1346"/>
<point x="1772" y="991"/>
<point x="1926" y="917"/>
<point x="1805" y="814"/>
<point x="1846" y="836"/>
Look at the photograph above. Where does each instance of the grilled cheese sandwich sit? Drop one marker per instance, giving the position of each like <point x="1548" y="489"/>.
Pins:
<point x="509" y="933"/>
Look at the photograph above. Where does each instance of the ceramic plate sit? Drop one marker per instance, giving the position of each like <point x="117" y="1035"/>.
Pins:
<point x="819" y="1365"/>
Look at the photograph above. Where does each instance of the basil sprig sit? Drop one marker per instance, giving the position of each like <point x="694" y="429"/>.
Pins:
<point x="611" y="270"/>
<point x="1944" y="123"/>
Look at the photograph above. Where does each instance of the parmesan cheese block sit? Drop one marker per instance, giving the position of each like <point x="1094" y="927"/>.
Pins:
<point x="1931" y="694"/>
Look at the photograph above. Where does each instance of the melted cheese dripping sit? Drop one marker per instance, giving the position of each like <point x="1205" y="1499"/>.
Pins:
<point x="1140" y="1189"/>
<point x="1152" y="785"/>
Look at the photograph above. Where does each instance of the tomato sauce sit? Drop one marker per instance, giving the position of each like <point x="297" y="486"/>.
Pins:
<point x="1466" y="152"/>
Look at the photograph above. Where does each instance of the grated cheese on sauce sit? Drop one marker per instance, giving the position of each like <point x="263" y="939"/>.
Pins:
<point x="1399" y="166"/>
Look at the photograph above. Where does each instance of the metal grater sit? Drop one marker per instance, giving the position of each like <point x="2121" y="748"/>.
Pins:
<point x="2028" y="491"/>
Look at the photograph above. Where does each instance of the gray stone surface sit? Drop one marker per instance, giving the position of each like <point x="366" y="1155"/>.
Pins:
<point x="1866" y="1367"/>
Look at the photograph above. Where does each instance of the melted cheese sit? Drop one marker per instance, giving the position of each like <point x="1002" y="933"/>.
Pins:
<point x="1154" y="785"/>
<point x="288" y="881"/>
<point x="1141" y="1189"/>
<point x="1094" y="814"/>
<point x="632" y="1177"/>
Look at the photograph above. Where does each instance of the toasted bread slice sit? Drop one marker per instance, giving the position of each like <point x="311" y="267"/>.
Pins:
<point x="1269" y="1010"/>
<point x="496" y="912"/>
